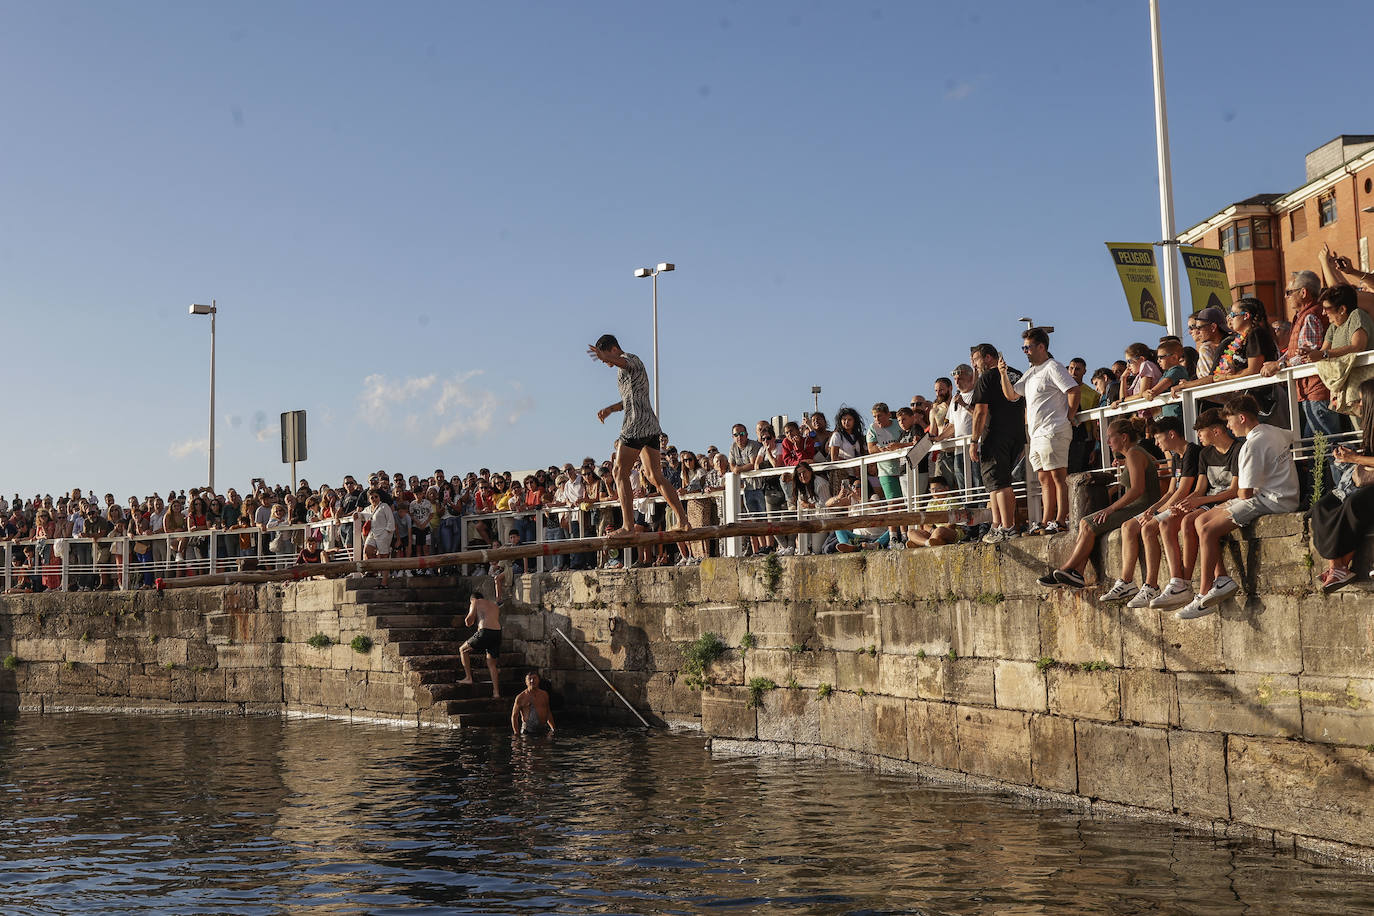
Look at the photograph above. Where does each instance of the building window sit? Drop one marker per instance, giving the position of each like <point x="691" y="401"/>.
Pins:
<point x="1260" y="227"/>
<point x="1242" y="236"/>
<point x="1297" y="224"/>
<point x="1228" y="240"/>
<point x="1326" y="209"/>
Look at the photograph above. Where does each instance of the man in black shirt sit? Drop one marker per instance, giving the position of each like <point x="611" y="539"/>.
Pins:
<point x="999" y="435"/>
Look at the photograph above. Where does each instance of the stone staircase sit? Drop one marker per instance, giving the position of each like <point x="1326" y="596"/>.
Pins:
<point x="421" y="617"/>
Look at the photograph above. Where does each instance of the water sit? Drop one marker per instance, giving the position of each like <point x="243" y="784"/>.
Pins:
<point x="184" y="815"/>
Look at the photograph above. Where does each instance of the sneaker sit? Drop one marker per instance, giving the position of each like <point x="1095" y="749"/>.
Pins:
<point x="1194" y="609"/>
<point x="1175" y="595"/>
<point x="1070" y="577"/>
<point x="995" y="536"/>
<point x="1052" y="528"/>
<point x="845" y="548"/>
<point x="1120" y="591"/>
<point x="1143" y="597"/>
<point x="614" y="564"/>
<point x="1034" y="528"/>
<point x="1222" y="589"/>
<point x="1048" y="580"/>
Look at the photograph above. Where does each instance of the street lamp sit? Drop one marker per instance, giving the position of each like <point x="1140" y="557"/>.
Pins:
<point x="816" y="394"/>
<point x="647" y="272"/>
<point x="210" y="310"/>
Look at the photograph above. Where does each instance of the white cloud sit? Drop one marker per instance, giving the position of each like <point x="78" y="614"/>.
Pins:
<point x="188" y="448"/>
<point x="957" y="91"/>
<point x="436" y="410"/>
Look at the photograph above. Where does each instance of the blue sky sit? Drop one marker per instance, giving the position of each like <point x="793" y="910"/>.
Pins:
<point x="415" y="216"/>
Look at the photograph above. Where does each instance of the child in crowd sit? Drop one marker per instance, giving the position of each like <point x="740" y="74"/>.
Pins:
<point x="1267" y="482"/>
<point x="936" y="534"/>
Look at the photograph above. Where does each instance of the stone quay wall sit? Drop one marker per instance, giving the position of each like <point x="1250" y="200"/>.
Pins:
<point x="234" y="650"/>
<point x="955" y="664"/>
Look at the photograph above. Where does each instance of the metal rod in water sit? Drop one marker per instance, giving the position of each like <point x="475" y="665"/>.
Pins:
<point x="602" y="676"/>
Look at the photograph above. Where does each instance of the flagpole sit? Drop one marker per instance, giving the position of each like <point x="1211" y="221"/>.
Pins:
<point x="1169" y="255"/>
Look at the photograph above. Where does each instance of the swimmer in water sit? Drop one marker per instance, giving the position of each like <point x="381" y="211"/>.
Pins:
<point x="531" y="714"/>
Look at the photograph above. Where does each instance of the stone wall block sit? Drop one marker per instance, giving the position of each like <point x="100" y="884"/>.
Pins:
<point x="844" y="723"/>
<point x="887" y="726"/>
<point x="793" y="716"/>
<point x="252" y="685"/>
<point x="1019" y="563"/>
<point x="846" y="626"/>
<point x="727" y="670"/>
<point x="1083" y="694"/>
<point x="918" y="626"/>
<point x="1054" y="759"/>
<point x="1192" y="645"/>
<point x="1259" y="636"/>
<point x="1149" y="697"/>
<point x="1019" y="685"/>
<point x="1310" y="790"/>
<point x="668" y="696"/>
<point x="856" y="671"/>
<point x="1124" y="763"/>
<point x="1141" y="638"/>
<point x="1241" y="704"/>
<point x="725" y="712"/>
<point x="994" y="743"/>
<point x="960" y="680"/>
<point x="1337" y="710"/>
<point x="718" y="579"/>
<point x="1008" y="629"/>
<point x="780" y="624"/>
<point x="1072" y="631"/>
<point x="813" y="668"/>
<point x="1338" y="634"/>
<point x="898" y="675"/>
<point x="774" y="664"/>
<point x="931" y="736"/>
<point x="1197" y="763"/>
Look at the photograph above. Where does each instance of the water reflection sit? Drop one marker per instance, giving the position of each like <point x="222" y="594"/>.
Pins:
<point x="186" y="815"/>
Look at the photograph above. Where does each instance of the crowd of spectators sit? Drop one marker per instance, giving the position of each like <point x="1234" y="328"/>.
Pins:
<point x="990" y="426"/>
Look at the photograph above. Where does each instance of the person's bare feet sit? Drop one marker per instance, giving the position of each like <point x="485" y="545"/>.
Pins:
<point x="619" y="532"/>
<point x="465" y="682"/>
<point x="681" y="526"/>
<point x="496" y="694"/>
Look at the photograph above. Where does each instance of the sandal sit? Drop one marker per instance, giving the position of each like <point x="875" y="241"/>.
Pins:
<point x="1336" y="577"/>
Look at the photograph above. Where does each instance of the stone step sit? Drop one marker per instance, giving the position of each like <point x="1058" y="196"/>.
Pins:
<point x="409" y="621"/>
<point x="407" y="635"/>
<point x="423" y="608"/>
<point x="473" y="697"/>
<point x="482" y="719"/>
<point x="434" y="669"/>
<point x="400" y="593"/>
<point x="417" y="582"/>
<point x="427" y="647"/>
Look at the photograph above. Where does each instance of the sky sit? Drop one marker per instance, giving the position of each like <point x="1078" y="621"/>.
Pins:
<point x="413" y="217"/>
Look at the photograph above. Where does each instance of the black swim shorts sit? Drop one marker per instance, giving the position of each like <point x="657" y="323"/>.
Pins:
<point x="640" y="443"/>
<point x="488" y="641"/>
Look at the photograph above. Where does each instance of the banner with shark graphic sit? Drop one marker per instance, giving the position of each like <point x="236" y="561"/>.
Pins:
<point x="1206" y="278"/>
<point x="1135" y="263"/>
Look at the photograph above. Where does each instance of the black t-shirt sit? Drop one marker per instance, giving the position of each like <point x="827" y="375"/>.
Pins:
<point x="1185" y="465"/>
<point x="1260" y="342"/>
<point x="1219" y="469"/>
<point x="1006" y="423"/>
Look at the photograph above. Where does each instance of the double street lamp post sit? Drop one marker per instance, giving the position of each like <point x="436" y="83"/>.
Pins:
<point x="653" y="273"/>
<point x="210" y="310"/>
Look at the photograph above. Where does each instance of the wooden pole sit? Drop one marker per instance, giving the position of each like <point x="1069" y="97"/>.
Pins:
<point x="551" y="548"/>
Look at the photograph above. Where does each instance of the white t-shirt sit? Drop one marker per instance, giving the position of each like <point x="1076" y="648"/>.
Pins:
<point x="847" y="449"/>
<point x="1045" y="388"/>
<point x="961" y="416"/>
<point x="1266" y="466"/>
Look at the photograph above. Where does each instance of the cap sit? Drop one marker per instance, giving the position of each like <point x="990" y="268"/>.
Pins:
<point x="1212" y="315"/>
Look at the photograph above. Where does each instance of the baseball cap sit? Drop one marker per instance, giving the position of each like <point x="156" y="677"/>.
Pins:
<point x="1212" y="315"/>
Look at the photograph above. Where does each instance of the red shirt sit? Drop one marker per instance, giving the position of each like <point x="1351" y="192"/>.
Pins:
<point x="792" y="455"/>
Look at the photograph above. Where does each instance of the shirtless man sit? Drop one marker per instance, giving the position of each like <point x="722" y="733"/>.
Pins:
<point x="531" y="714"/>
<point x="640" y="433"/>
<point x="487" y="615"/>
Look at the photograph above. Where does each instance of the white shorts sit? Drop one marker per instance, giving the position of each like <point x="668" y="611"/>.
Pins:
<point x="381" y="542"/>
<point x="1245" y="511"/>
<point x="1051" y="452"/>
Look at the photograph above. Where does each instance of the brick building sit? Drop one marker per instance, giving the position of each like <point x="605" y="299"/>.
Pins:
<point x="1266" y="237"/>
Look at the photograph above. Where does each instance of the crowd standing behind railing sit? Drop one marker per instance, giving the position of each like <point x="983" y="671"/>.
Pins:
<point x="993" y="448"/>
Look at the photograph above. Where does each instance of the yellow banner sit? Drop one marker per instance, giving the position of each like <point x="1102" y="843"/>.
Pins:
<point x="1207" y="278"/>
<point x="1135" y="263"/>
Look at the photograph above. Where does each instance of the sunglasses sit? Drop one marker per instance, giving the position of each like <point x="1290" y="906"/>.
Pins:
<point x="1025" y="348"/>
<point x="737" y="435"/>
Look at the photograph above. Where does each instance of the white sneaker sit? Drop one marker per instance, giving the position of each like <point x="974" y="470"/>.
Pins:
<point x="1120" y="591"/>
<point x="1221" y="589"/>
<point x="1195" y="609"/>
<point x="1175" y="595"/>
<point x="1143" y="597"/>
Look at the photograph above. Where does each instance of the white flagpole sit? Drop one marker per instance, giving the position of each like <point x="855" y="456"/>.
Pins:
<point x="1169" y="255"/>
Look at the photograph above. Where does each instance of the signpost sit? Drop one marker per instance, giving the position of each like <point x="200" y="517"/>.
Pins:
<point x="293" y="440"/>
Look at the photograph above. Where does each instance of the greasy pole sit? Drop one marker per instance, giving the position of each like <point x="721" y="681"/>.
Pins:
<point x="484" y="556"/>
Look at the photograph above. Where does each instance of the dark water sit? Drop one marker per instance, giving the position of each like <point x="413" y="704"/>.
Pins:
<point x="207" y="815"/>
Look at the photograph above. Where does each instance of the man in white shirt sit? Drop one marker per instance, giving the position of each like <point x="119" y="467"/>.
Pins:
<point x="1267" y="480"/>
<point x="1051" y="401"/>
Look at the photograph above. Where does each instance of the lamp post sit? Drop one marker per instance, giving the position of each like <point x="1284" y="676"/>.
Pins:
<point x="210" y="310"/>
<point x="816" y="395"/>
<point x="653" y="274"/>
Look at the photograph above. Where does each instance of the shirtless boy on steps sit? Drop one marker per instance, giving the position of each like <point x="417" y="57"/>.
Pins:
<point x="487" y="615"/>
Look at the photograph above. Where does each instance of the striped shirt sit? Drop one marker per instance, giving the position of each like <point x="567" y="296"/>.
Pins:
<point x="640" y="421"/>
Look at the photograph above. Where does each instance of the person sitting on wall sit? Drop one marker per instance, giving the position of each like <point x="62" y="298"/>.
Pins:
<point x="1341" y="519"/>
<point x="1267" y="480"/>
<point x="936" y="534"/>
<point x="1139" y="490"/>
<point x="1145" y="527"/>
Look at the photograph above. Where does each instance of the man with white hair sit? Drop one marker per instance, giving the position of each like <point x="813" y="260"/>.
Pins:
<point x="1308" y="333"/>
